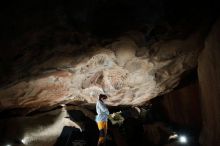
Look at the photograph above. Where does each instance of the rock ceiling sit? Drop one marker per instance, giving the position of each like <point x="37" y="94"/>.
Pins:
<point x="70" y="52"/>
<point x="127" y="69"/>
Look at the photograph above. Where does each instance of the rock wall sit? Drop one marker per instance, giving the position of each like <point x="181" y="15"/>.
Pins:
<point x="182" y="106"/>
<point x="130" y="72"/>
<point x="42" y="129"/>
<point x="209" y="80"/>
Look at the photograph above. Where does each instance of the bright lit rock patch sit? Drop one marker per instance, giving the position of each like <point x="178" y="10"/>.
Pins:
<point x="130" y="74"/>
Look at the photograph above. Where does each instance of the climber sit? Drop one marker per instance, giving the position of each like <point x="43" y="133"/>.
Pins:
<point x="102" y="118"/>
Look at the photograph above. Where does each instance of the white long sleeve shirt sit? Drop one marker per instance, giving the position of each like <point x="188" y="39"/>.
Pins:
<point x="102" y="111"/>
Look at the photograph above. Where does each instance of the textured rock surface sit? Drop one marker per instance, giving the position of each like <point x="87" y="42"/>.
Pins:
<point x="182" y="106"/>
<point x="42" y="129"/>
<point x="128" y="71"/>
<point x="209" y="80"/>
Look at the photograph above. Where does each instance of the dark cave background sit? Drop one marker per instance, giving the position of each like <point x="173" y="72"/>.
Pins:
<point x="102" y="17"/>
